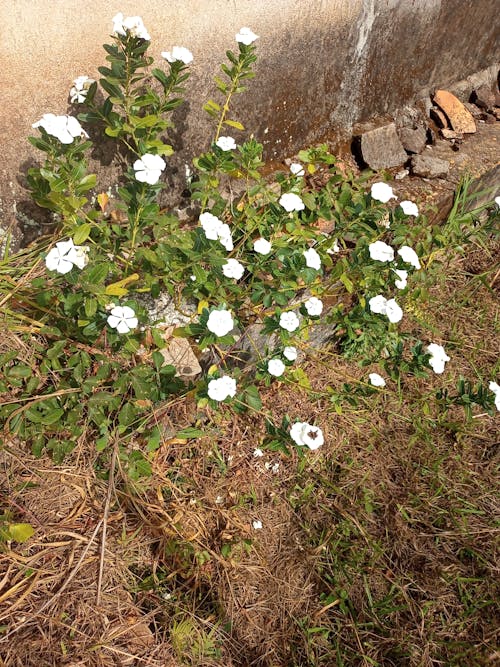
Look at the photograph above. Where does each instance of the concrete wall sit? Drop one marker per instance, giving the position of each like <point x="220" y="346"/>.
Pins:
<point x="323" y="64"/>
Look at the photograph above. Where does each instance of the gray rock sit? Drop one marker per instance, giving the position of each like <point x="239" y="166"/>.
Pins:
<point x="485" y="97"/>
<point x="381" y="147"/>
<point x="413" y="139"/>
<point x="429" y="166"/>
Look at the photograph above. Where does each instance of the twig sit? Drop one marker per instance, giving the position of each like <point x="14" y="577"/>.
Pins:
<point x="111" y="483"/>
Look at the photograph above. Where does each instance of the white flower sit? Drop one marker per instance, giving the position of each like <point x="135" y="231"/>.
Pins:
<point x="222" y="388"/>
<point x="401" y="282"/>
<point x="78" y="92"/>
<point x="65" y="255"/>
<point x="313" y="260"/>
<point x="80" y="256"/>
<point x="262" y="246"/>
<point x="216" y="230"/>
<point x="291" y="202"/>
<point x="178" y="53"/>
<point x="226" y="143"/>
<point x="438" y="357"/>
<point x="494" y="386"/>
<point x="303" y="433"/>
<point x="409" y="256"/>
<point x="378" y="304"/>
<point x="314" y="306"/>
<point x="211" y="225"/>
<point x="233" y="269"/>
<point x="220" y="322"/>
<point x="275" y="367"/>
<point x="289" y="321"/>
<point x="257" y="453"/>
<point x="409" y="208"/>
<point x="257" y="525"/>
<point x="246" y="36"/>
<point x="297" y="169"/>
<point x="497" y="201"/>
<point x="290" y="353"/>
<point x="133" y="24"/>
<point x="381" y="251"/>
<point x="376" y="380"/>
<point x="149" y="168"/>
<point x="382" y="192"/>
<point x="193" y="278"/>
<point x="393" y="311"/>
<point x="123" y="319"/>
<point x="334" y="249"/>
<point x="64" y="128"/>
<point x="224" y="236"/>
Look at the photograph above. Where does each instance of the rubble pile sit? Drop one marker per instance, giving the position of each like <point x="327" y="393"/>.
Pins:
<point x="407" y="139"/>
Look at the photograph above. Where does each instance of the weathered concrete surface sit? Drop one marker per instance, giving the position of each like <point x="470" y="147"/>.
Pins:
<point x="322" y="65"/>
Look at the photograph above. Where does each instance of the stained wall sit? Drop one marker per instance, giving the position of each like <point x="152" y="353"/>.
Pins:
<point x="323" y="64"/>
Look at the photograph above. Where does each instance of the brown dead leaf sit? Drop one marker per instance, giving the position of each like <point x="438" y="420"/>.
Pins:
<point x="179" y="353"/>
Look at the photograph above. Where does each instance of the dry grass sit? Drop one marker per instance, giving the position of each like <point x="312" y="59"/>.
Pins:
<point x="378" y="549"/>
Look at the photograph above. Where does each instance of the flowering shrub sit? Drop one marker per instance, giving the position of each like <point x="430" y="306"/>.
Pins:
<point x="259" y="259"/>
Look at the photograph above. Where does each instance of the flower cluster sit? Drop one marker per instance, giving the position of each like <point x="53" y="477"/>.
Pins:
<point x="65" y="255"/>
<point x="382" y="306"/>
<point x="178" y="54"/>
<point x="65" y="128"/>
<point x="383" y="193"/>
<point x="216" y="230"/>
<point x="133" y="25"/>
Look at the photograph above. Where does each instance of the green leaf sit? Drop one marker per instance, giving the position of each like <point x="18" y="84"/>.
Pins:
<point x="82" y="233"/>
<point x="348" y="284"/>
<point x="190" y="433"/>
<point x="113" y="131"/>
<point x="235" y="124"/>
<point x="20" y="372"/>
<point x="87" y="183"/>
<point x="52" y="417"/>
<point x="147" y="121"/>
<point x="20" y="532"/>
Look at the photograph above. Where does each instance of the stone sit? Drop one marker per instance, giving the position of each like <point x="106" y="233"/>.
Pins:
<point x="413" y="139"/>
<point x="438" y="117"/>
<point x="402" y="174"/>
<point x="475" y="110"/>
<point x="429" y="166"/>
<point x="485" y="98"/>
<point x="381" y="147"/>
<point x="461" y="120"/>
<point x="451" y="134"/>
